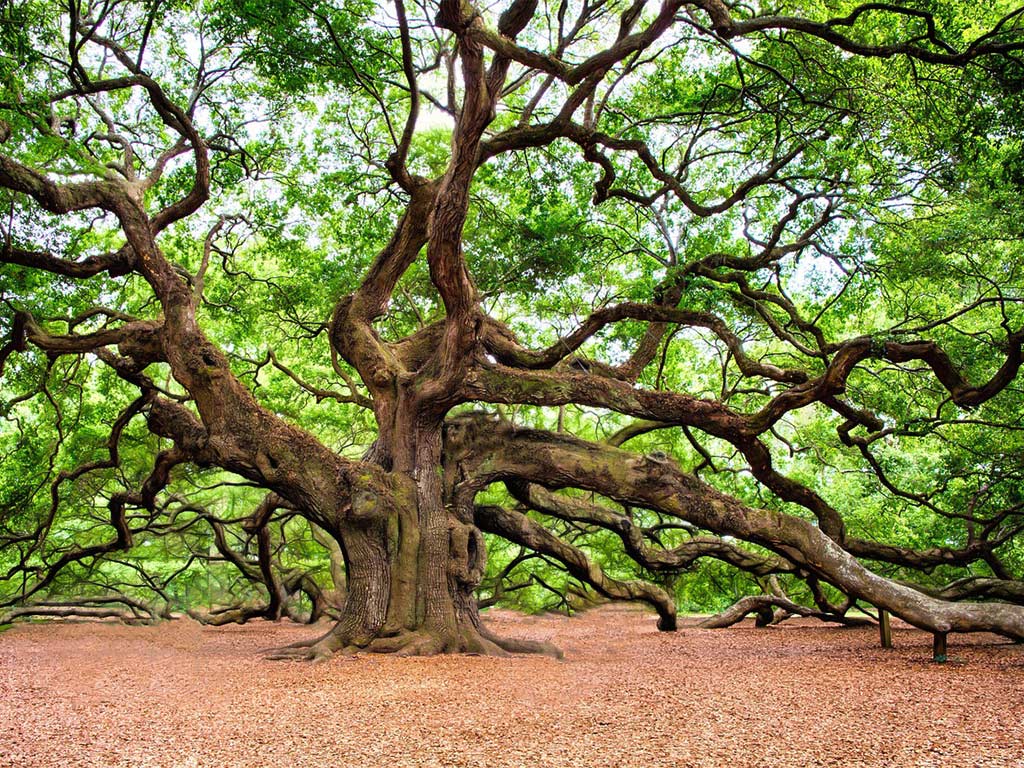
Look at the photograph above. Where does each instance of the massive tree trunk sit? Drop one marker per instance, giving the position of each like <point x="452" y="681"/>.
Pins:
<point x="413" y="572"/>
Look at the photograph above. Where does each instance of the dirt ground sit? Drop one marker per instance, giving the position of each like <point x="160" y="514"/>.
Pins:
<point x="179" y="695"/>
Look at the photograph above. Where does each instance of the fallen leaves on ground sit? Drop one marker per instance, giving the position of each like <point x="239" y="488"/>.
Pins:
<point x="178" y="695"/>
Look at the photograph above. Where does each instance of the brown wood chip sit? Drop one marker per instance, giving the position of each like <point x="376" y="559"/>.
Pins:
<point x="801" y="694"/>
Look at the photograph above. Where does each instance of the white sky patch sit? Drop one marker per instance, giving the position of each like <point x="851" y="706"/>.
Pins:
<point x="431" y="118"/>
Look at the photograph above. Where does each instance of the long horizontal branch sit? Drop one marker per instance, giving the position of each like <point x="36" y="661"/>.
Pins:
<point x="116" y="264"/>
<point x="503" y="384"/>
<point x="677" y="558"/>
<point x="591" y="140"/>
<point x="54" y="197"/>
<point x="496" y="451"/>
<point x="136" y="334"/>
<point x="981" y="587"/>
<point x="759" y="603"/>
<point x="726" y="26"/>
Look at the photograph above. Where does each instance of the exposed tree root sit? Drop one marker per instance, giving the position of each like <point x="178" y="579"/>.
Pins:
<point x="516" y="645"/>
<point x="317" y="648"/>
<point x="470" y="641"/>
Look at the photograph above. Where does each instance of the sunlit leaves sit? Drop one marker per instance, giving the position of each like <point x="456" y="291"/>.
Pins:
<point x="300" y="47"/>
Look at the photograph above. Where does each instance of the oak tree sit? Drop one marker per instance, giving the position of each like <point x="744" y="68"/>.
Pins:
<point x="612" y="282"/>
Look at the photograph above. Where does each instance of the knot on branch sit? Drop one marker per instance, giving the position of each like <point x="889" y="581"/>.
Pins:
<point x="371" y="497"/>
<point x="366" y="505"/>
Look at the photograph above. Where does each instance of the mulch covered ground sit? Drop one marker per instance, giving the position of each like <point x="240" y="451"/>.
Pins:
<point x="181" y="695"/>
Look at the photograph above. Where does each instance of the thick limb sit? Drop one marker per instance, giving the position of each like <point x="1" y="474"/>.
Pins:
<point x="763" y="606"/>
<point x="556" y="460"/>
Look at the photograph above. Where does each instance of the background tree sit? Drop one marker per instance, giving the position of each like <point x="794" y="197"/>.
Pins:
<point x="297" y="275"/>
